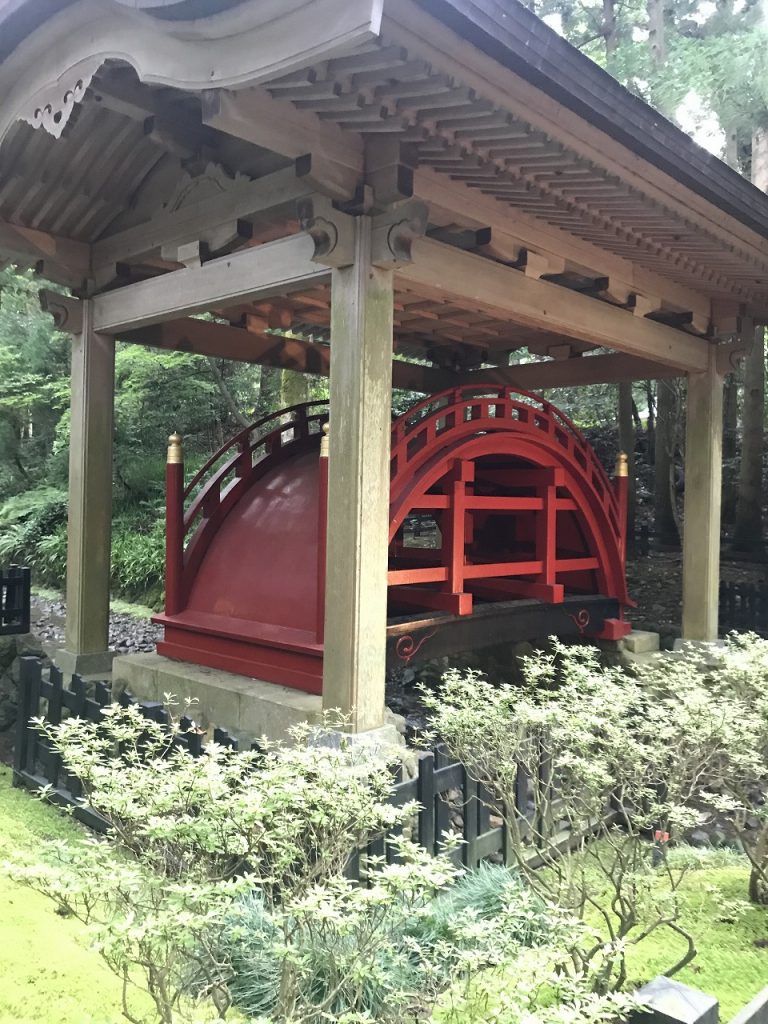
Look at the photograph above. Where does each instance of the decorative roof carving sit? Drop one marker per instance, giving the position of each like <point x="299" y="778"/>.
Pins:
<point x="53" y="107"/>
<point x="210" y="182"/>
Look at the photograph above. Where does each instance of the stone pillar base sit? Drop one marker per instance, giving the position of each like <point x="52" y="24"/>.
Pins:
<point x="97" y="665"/>
<point x="248" y="709"/>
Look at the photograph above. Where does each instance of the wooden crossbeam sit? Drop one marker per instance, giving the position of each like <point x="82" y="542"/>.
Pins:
<point x="440" y="270"/>
<point x="452" y="202"/>
<point x="576" y="372"/>
<point x="275" y="268"/>
<point x="206" y="338"/>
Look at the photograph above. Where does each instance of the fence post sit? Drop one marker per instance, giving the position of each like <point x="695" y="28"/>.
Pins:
<point x="29" y="691"/>
<point x="426" y="797"/>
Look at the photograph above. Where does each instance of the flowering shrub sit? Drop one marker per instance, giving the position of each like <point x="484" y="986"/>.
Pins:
<point x="720" y="696"/>
<point x="222" y="882"/>
<point x="602" y="763"/>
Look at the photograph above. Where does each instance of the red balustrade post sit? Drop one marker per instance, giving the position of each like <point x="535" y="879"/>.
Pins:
<point x="174" y="526"/>
<point x="621" y="490"/>
<point x="322" y="533"/>
<point x="456" y="525"/>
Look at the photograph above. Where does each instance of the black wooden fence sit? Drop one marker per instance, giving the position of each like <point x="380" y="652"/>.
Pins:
<point x="14" y="600"/>
<point x="448" y="798"/>
<point x="744" y="606"/>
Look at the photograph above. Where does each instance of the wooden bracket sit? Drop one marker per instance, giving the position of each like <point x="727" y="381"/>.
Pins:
<point x="537" y="265"/>
<point x="645" y="305"/>
<point x="190" y="254"/>
<point x="389" y="168"/>
<point x="67" y="312"/>
<point x="394" y="232"/>
<point x="729" y="354"/>
<point x="332" y="231"/>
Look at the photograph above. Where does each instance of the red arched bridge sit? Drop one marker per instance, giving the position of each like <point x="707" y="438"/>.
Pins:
<point x="503" y="526"/>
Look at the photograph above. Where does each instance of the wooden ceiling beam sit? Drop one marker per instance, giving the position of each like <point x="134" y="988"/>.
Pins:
<point x="206" y="338"/>
<point x="440" y="271"/>
<point x="58" y="259"/>
<point x="260" y="272"/>
<point x="249" y="199"/>
<point x="405" y="23"/>
<point x="332" y="159"/>
<point x="574" y="372"/>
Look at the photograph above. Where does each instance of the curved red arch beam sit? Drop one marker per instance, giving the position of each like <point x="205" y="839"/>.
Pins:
<point x="425" y="451"/>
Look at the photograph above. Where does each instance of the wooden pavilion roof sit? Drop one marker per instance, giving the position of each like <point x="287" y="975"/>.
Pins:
<point x="528" y="155"/>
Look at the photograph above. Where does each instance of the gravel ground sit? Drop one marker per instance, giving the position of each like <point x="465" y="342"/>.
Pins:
<point x="128" y="634"/>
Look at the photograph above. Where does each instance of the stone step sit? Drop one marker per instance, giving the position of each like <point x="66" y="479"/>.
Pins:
<point x="641" y="641"/>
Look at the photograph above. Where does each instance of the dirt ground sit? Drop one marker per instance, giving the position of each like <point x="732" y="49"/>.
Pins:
<point x="655" y="584"/>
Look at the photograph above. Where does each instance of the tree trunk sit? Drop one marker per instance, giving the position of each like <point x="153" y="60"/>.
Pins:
<point x="730" y="431"/>
<point x="627" y="444"/>
<point x="651" y="422"/>
<point x="663" y="510"/>
<point x="294" y="388"/>
<point x="748" y="526"/>
<point x="656" y="31"/>
<point x="229" y="399"/>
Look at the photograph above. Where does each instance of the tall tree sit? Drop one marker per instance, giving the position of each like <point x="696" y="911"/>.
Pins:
<point x="665" y="519"/>
<point x="748" y="527"/>
<point x="627" y="444"/>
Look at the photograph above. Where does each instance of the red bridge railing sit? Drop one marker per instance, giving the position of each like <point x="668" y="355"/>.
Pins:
<point x="195" y="511"/>
<point x="474" y="407"/>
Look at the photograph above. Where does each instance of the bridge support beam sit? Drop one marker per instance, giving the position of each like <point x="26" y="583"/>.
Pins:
<point x="703" y="475"/>
<point x="358" y="486"/>
<point x="90" y="500"/>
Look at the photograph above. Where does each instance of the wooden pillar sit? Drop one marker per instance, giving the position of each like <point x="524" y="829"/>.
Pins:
<point x="90" y="498"/>
<point x="358" y="486"/>
<point x="703" y="471"/>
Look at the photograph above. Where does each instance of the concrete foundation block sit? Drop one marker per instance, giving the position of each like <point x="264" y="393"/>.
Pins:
<point x="248" y="709"/>
<point x="640" y="641"/>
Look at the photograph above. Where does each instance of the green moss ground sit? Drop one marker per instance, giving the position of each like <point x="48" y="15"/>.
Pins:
<point x="725" y="928"/>
<point x="47" y="973"/>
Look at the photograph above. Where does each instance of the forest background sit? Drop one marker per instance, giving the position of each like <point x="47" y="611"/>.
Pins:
<point x="702" y="64"/>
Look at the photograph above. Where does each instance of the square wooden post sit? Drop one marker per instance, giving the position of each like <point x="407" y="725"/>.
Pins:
<point x="89" y="530"/>
<point x="358" y="486"/>
<point x="703" y="484"/>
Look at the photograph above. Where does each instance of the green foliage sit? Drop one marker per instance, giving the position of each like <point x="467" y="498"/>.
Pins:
<point x="33" y="532"/>
<point x="189" y="837"/>
<point x="416" y="946"/>
<point x="138" y="561"/>
<point x="49" y="973"/>
<point x="732" y="963"/>
<point x="583" y="720"/>
<point x="681" y="744"/>
<point x="223" y="876"/>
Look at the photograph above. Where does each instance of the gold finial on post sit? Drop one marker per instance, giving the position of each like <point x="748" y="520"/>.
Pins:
<point x="175" y="450"/>
<point x="622" y="465"/>
<point x="324" y="442"/>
